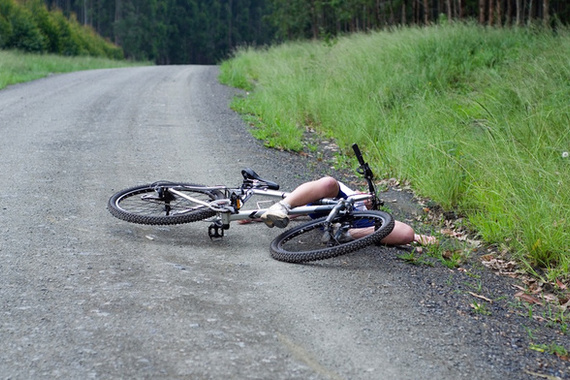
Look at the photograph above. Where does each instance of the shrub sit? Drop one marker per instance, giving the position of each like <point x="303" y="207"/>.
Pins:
<point x="32" y="27"/>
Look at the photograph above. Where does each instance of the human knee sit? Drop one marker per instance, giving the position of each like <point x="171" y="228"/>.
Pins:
<point x="401" y="234"/>
<point x="329" y="186"/>
<point x="407" y="232"/>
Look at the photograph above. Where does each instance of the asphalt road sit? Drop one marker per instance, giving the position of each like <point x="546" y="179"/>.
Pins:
<point x="84" y="295"/>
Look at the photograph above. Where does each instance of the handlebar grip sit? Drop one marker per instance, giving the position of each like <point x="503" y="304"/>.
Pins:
<point x="358" y="153"/>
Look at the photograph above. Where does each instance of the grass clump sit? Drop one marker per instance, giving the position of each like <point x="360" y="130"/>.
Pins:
<point x="475" y="118"/>
<point x="19" y="67"/>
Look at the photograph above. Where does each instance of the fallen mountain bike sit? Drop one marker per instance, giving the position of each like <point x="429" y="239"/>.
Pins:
<point x="167" y="203"/>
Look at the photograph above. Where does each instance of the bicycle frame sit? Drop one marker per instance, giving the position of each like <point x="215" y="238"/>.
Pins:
<point x="327" y="234"/>
<point x="230" y="207"/>
<point x="165" y="203"/>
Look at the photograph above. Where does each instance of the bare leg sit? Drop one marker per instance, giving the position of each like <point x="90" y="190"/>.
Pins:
<point x="277" y="215"/>
<point x="402" y="234"/>
<point x="326" y="187"/>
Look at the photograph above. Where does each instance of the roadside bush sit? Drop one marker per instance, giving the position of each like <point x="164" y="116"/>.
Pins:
<point x="5" y="24"/>
<point x="5" y="31"/>
<point x="67" y="45"/>
<point x="32" y="27"/>
<point x="24" y="34"/>
<point x="47" y="26"/>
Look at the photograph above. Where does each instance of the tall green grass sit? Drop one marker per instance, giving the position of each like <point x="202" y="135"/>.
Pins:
<point x="18" y="67"/>
<point x="475" y="118"/>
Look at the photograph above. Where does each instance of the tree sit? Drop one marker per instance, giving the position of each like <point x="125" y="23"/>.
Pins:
<point x="204" y="31"/>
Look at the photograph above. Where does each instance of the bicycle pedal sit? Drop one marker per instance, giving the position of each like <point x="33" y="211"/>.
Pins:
<point x="215" y="231"/>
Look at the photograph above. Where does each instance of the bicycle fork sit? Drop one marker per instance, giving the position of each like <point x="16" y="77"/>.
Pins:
<point x="332" y="233"/>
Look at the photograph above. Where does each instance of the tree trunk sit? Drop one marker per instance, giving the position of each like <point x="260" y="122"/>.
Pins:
<point x="117" y="18"/>
<point x="85" y="18"/>
<point x="481" y="12"/>
<point x="426" y="12"/>
<point x="377" y="22"/>
<point x="519" y="13"/>
<point x="404" y="5"/>
<point x="546" y="12"/>
<point x="449" y="14"/>
<point x="529" y="12"/>
<point x="315" y="27"/>
<point x="230" y="23"/>
<point x="415" y="12"/>
<point x="491" y="12"/>
<point x="499" y="10"/>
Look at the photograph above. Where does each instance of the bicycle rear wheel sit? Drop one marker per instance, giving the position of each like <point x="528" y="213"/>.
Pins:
<point x="155" y="204"/>
<point x="305" y="242"/>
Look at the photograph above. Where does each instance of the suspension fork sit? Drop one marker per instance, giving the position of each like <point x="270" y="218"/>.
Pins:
<point x="336" y="210"/>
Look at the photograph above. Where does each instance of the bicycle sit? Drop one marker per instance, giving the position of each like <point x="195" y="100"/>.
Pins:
<point x="167" y="203"/>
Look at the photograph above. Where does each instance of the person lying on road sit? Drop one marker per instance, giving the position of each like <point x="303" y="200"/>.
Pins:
<point x="329" y="187"/>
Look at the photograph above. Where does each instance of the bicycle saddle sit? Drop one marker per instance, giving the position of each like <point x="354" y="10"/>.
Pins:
<point x="248" y="175"/>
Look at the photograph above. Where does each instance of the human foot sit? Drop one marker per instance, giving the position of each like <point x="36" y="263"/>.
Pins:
<point x="276" y="215"/>
<point x="425" y="239"/>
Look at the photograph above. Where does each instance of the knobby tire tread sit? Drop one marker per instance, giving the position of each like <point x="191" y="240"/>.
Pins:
<point x="280" y="254"/>
<point x="192" y="216"/>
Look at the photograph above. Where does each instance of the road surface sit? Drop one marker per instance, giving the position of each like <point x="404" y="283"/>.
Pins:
<point x="84" y="295"/>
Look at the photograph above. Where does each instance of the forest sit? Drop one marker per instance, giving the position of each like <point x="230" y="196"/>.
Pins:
<point x="206" y="31"/>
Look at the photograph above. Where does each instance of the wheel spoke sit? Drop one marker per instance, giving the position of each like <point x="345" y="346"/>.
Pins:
<point x="306" y="243"/>
<point x="154" y="204"/>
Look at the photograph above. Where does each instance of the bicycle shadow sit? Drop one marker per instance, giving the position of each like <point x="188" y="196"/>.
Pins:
<point x="373" y="257"/>
<point x="194" y="235"/>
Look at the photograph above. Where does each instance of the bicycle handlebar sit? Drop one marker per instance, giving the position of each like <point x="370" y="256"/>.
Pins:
<point x="365" y="170"/>
<point x="358" y="153"/>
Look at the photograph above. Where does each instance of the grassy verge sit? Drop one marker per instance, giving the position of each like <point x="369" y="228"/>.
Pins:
<point x="475" y="118"/>
<point x="18" y="67"/>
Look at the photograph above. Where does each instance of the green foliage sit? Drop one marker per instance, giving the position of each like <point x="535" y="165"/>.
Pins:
<point x="207" y="31"/>
<point x="326" y="19"/>
<point x="552" y="348"/>
<point x="47" y="26"/>
<point x="31" y="27"/>
<point x="19" y="29"/>
<point x="17" y="66"/>
<point x="416" y="259"/>
<point x="480" y="308"/>
<point x="189" y="31"/>
<point x="476" y="118"/>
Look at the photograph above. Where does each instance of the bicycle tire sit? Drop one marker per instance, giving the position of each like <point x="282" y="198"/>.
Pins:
<point x="302" y="243"/>
<point x="129" y="205"/>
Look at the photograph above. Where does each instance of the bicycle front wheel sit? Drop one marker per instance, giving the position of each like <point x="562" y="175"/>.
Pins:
<point x="307" y="243"/>
<point x="156" y="204"/>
